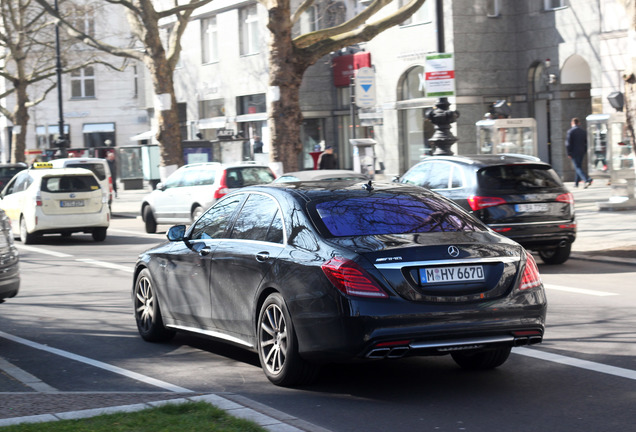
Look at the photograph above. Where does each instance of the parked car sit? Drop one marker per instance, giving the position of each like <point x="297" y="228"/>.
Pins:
<point x="191" y="189"/>
<point x="9" y="262"/>
<point x="316" y="175"/>
<point x="308" y="273"/>
<point x="8" y="170"/>
<point x="98" y="166"/>
<point x="45" y="200"/>
<point x="518" y="196"/>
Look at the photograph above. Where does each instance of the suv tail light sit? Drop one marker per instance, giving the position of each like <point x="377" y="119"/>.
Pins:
<point x="531" y="277"/>
<point x="351" y="279"/>
<point x="222" y="190"/>
<point x="481" y="202"/>
<point x="566" y="198"/>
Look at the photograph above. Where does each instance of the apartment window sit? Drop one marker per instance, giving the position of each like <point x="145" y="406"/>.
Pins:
<point x="554" y="4"/>
<point x="309" y="20"/>
<point x="209" y="40"/>
<point x="421" y="16"/>
<point x="84" y="19"/>
<point x="248" y="27"/>
<point x="493" y="8"/>
<point x="83" y="83"/>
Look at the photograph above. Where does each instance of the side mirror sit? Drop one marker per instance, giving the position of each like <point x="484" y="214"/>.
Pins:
<point x="161" y="186"/>
<point x="396" y="179"/>
<point x="176" y="233"/>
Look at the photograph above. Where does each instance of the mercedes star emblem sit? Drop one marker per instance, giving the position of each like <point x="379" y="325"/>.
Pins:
<point x="453" y="251"/>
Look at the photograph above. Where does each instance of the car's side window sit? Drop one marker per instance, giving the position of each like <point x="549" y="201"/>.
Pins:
<point x="22" y="182"/>
<point x="214" y="222"/>
<point x="438" y="176"/>
<point x="456" y="177"/>
<point x="175" y="179"/>
<point x="418" y="176"/>
<point x="259" y="219"/>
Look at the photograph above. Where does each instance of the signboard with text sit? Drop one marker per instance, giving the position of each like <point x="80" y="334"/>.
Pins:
<point x="440" y="75"/>
<point x="365" y="87"/>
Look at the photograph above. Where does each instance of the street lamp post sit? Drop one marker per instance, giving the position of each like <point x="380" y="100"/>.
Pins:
<point x="441" y="116"/>
<point x="62" y="142"/>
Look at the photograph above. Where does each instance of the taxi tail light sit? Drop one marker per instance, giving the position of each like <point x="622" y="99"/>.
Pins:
<point x="38" y="200"/>
<point x="110" y="185"/>
<point x="531" y="277"/>
<point x="481" y="202"/>
<point x="223" y="189"/>
<point x="566" y="198"/>
<point x="351" y="279"/>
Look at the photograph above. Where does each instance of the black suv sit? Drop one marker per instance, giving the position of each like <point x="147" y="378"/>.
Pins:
<point x="515" y="195"/>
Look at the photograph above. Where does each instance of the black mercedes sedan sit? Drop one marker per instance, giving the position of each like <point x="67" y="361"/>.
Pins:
<point x="310" y="273"/>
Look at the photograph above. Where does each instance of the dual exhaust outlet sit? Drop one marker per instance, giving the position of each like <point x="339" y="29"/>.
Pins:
<point x="394" y="352"/>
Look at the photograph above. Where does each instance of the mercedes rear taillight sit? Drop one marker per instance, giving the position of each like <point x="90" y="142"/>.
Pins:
<point x="566" y="198"/>
<point x="351" y="279"/>
<point x="531" y="277"/>
<point x="481" y="202"/>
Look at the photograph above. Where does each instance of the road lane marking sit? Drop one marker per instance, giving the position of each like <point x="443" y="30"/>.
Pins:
<point x="105" y="264"/>
<point x="129" y="269"/>
<point x="44" y="251"/>
<point x="25" y="378"/>
<point x="98" y="364"/>
<point x="579" y="290"/>
<point x="578" y="363"/>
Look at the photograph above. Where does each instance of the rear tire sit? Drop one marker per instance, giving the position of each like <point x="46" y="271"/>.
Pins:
<point x="481" y="360"/>
<point x="99" y="234"/>
<point x="278" y="346"/>
<point x="556" y="256"/>
<point x="25" y="237"/>
<point x="196" y="212"/>
<point x="147" y="313"/>
<point x="149" y="220"/>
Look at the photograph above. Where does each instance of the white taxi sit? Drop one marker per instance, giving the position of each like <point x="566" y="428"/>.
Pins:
<point x="45" y="200"/>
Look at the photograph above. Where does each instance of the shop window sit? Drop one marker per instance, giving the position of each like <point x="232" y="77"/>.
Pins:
<point x="83" y="83"/>
<point x="211" y="108"/>
<point x="414" y="84"/>
<point x="554" y="4"/>
<point x="252" y="104"/>
<point x="46" y="135"/>
<point x="99" y="134"/>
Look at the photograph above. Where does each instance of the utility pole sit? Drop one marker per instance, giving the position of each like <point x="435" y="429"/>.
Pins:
<point x="62" y="141"/>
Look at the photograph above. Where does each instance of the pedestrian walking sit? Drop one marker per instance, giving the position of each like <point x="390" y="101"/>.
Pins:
<point x="258" y="145"/>
<point x="327" y="160"/>
<point x="110" y="158"/>
<point x="576" y="146"/>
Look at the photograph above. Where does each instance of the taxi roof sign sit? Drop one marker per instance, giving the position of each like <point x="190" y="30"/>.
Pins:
<point x="40" y="165"/>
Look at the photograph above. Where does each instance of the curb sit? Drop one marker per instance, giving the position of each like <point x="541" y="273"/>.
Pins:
<point x="602" y="258"/>
<point x="270" y="423"/>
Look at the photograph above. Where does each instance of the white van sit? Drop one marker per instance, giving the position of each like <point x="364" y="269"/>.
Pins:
<point x="98" y="166"/>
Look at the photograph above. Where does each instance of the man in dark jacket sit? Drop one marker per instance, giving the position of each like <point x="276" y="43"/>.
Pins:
<point x="576" y="146"/>
<point x="327" y="159"/>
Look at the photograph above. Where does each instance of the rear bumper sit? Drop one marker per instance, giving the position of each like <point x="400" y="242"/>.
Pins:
<point x="539" y="235"/>
<point x="69" y="223"/>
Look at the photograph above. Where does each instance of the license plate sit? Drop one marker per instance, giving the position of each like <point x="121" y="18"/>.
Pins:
<point x="532" y="208"/>
<point x="72" y="203"/>
<point x="452" y="274"/>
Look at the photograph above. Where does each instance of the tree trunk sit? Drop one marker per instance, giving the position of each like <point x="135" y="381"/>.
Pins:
<point x="285" y="77"/>
<point x="20" y="119"/>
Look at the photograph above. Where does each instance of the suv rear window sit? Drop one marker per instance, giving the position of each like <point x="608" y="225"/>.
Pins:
<point x="518" y="177"/>
<point x="392" y="214"/>
<point x="248" y="176"/>
<point x="97" y="168"/>
<point x="65" y="184"/>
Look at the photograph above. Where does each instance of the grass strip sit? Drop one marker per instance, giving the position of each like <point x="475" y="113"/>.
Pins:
<point x="185" y="417"/>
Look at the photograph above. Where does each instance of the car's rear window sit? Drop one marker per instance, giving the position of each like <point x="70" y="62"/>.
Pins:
<point x="76" y="183"/>
<point x="248" y="176"/>
<point x="97" y="168"/>
<point x="518" y="178"/>
<point x="391" y="214"/>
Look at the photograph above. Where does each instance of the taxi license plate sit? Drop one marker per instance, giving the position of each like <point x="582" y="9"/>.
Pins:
<point x="532" y="208"/>
<point x="72" y="203"/>
<point x="452" y="274"/>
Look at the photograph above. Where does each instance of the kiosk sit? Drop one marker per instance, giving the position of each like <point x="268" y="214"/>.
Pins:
<point x="510" y="135"/>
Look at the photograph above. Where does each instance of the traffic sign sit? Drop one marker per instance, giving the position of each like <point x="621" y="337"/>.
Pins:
<point x="365" y="87"/>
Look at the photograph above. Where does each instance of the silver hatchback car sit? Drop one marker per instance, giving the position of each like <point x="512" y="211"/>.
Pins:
<point x="191" y="189"/>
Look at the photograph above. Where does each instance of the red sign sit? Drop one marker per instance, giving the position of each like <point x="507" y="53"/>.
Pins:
<point x="344" y="67"/>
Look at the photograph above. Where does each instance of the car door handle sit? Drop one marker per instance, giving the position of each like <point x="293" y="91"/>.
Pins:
<point x="205" y="251"/>
<point x="262" y="256"/>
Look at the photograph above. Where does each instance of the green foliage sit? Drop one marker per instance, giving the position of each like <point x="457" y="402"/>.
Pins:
<point x="187" y="417"/>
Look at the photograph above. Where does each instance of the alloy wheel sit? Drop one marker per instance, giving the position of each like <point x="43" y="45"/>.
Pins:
<point x="273" y="337"/>
<point x="144" y="304"/>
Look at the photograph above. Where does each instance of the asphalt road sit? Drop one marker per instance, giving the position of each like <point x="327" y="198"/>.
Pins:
<point x="71" y="330"/>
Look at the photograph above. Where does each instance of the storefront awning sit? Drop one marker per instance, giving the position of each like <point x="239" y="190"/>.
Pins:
<point x="148" y="135"/>
<point x="251" y="117"/>
<point x="212" y="123"/>
<point x="98" y="127"/>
